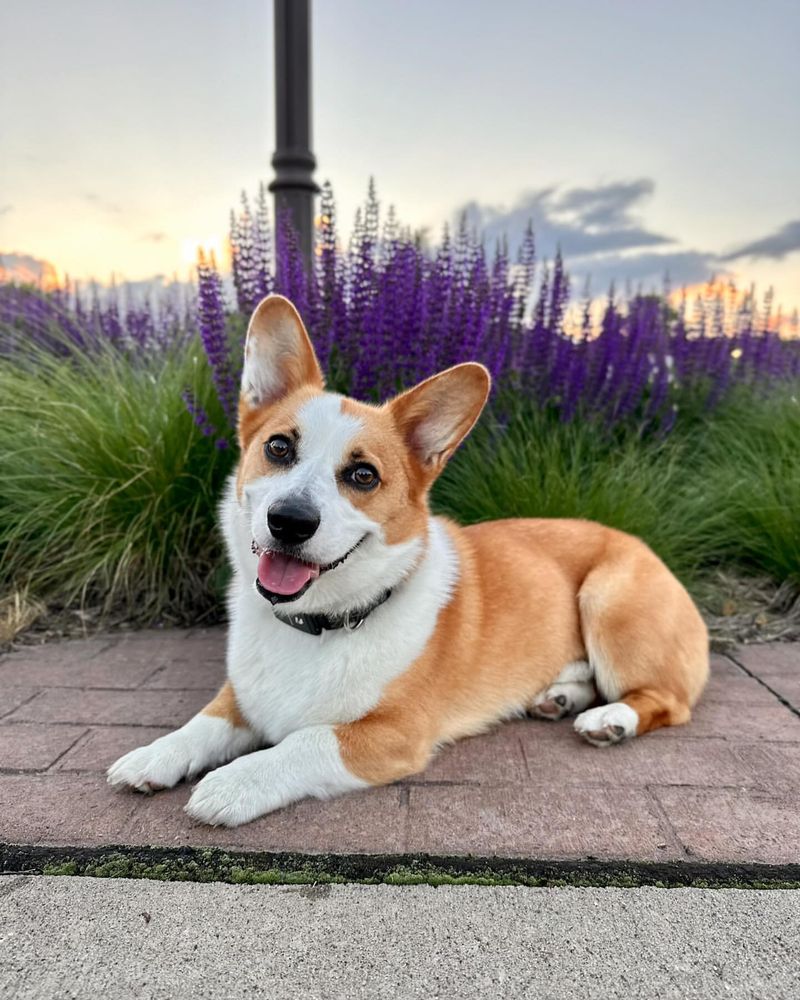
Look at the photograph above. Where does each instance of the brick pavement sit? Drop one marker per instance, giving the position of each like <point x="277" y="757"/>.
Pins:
<point x="725" y="788"/>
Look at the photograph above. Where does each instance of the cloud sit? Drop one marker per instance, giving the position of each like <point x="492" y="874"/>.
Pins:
<point x="606" y="206"/>
<point x="155" y="237"/>
<point x="27" y="269"/>
<point x="5" y="209"/>
<point x="776" y="246"/>
<point x="599" y="234"/>
<point x="582" y="221"/>
<point x="101" y="203"/>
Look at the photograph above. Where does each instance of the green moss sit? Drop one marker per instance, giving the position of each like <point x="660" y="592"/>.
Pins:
<point x="211" y="865"/>
<point x="64" y="868"/>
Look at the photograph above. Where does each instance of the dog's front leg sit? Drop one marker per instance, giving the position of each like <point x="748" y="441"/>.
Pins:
<point x="215" y="735"/>
<point x="319" y="761"/>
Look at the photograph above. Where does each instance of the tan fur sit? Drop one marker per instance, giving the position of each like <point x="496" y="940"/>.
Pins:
<point x="435" y="416"/>
<point x="532" y="593"/>
<point x="398" y="504"/>
<point x="224" y="706"/>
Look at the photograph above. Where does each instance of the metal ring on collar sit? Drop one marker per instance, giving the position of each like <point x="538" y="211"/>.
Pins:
<point x="348" y="623"/>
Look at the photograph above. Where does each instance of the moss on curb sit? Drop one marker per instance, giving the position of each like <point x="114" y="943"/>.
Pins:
<point x="186" y="864"/>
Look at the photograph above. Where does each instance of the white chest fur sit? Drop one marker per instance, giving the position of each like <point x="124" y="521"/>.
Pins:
<point x="285" y="679"/>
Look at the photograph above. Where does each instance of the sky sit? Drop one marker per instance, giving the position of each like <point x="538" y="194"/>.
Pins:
<point x="642" y="138"/>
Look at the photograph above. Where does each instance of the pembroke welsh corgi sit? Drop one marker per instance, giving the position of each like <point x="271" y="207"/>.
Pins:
<point x="365" y="633"/>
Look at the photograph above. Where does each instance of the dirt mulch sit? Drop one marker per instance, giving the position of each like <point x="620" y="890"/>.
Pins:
<point x="737" y="610"/>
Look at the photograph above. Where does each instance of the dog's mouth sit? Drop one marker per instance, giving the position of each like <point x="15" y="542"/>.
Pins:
<point x="282" y="577"/>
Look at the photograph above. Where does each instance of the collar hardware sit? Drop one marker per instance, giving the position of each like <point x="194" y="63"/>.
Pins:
<point x="350" y="621"/>
<point x="350" y="625"/>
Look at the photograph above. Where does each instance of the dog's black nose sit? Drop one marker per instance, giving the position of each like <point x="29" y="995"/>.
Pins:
<point x="292" y="521"/>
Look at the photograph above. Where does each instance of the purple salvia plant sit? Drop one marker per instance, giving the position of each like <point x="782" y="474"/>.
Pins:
<point x="384" y="313"/>
<point x="291" y="278"/>
<point x="244" y="259"/>
<point x="198" y="414"/>
<point x="212" y="322"/>
<point x="331" y="321"/>
<point x="262" y="244"/>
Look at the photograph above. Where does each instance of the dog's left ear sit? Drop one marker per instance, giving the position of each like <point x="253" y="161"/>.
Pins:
<point x="278" y="355"/>
<point x="436" y="415"/>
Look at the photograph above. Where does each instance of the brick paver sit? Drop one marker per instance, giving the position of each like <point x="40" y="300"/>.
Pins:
<point x="544" y="819"/>
<point x="101" y="744"/>
<point x="734" y="824"/>
<point x="92" y="705"/>
<point x="724" y="788"/>
<point x="11" y="700"/>
<point x="36" y="747"/>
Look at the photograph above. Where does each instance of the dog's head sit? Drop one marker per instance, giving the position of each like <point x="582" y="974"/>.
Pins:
<point x="333" y="493"/>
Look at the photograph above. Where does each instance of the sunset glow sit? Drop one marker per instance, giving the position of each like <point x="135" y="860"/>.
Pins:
<point x="215" y="245"/>
<point x="137" y="163"/>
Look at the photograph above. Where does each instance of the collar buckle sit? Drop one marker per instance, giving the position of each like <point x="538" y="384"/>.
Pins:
<point x="304" y="623"/>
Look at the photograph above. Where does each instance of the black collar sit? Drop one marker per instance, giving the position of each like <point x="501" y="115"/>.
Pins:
<point x="350" y="620"/>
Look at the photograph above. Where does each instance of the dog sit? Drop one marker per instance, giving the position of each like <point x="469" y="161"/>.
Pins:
<point x="366" y="633"/>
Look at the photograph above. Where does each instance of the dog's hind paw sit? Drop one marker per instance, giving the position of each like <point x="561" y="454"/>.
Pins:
<point x="607" y="724"/>
<point x="563" y="698"/>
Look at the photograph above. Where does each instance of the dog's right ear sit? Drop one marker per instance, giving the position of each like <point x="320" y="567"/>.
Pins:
<point x="278" y="356"/>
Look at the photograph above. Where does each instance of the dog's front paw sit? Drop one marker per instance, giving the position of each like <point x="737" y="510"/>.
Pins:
<point x="229" y="796"/>
<point x="161" y="764"/>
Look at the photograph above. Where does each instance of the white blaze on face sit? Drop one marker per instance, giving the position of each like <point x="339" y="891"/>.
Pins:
<point x="326" y="436"/>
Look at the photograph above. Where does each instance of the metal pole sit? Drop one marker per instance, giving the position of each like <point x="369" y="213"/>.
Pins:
<point x="294" y="186"/>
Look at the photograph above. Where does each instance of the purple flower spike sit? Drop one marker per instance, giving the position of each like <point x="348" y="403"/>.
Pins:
<point x="213" y="333"/>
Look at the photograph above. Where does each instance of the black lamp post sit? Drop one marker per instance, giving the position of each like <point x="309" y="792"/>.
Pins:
<point x="294" y="186"/>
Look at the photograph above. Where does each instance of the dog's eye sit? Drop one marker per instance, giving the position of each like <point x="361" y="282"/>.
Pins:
<point x="279" y="449"/>
<point x="365" y="477"/>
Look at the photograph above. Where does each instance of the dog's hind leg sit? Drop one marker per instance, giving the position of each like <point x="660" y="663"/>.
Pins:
<point x="637" y="712"/>
<point x="647" y="644"/>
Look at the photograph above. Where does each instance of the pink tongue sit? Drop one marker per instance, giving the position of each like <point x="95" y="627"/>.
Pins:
<point x="283" y="575"/>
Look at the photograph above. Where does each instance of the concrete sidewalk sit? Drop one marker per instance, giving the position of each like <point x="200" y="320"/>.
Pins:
<point x="67" y="938"/>
<point x="725" y="788"/>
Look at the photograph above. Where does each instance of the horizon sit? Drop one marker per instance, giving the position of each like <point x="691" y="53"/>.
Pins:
<point x="680" y="158"/>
